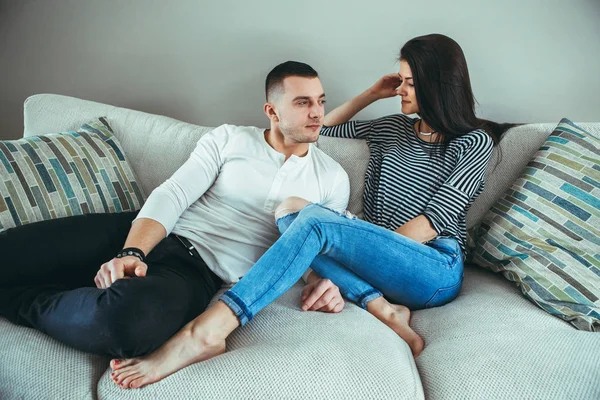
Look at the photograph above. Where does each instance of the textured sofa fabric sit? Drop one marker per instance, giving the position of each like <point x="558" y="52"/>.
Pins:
<point x="489" y="343"/>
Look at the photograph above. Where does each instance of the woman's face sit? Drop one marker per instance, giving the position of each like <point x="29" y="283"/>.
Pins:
<point x="406" y="90"/>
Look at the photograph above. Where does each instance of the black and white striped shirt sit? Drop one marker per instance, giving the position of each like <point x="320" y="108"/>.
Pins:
<point x="407" y="176"/>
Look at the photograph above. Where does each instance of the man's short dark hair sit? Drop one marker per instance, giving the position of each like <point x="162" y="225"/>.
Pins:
<point x="274" y="82"/>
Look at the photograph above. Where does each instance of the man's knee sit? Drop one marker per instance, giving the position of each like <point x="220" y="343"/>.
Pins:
<point x="290" y="205"/>
<point x="138" y="326"/>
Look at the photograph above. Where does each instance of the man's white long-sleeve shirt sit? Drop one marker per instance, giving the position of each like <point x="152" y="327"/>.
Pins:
<point x="223" y="198"/>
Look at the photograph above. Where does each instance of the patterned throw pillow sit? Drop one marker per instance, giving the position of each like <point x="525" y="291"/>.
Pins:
<point x="544" y="233"/>
<point x="63" y="174"/>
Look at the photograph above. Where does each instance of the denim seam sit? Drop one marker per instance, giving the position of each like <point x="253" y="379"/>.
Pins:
<point x="443" y="290"/>
<point x="237" y="305"/>
<point x="368" y="296"/>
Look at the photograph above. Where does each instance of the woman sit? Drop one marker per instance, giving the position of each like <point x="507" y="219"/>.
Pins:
<point x="423" y="175"/>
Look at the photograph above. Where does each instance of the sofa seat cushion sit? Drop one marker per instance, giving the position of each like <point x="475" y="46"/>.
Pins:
<point x="35" y="366"/>
<point x="491" y="342"/>
<point x="287" y="353"/>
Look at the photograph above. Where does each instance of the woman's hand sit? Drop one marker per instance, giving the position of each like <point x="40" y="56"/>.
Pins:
<point x="322" y="295"/>
<point x="386" y="86"/>
<point x="383" y="88"/>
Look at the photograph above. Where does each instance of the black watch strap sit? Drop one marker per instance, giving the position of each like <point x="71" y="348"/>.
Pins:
<point x="132" y="251"/>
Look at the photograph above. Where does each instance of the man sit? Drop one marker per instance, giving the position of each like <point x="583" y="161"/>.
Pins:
<point x="204" y="227"/>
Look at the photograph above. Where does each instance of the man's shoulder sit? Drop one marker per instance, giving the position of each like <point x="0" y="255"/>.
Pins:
<point x="325" y="161"/>
<point x="235" y="130"/>
<point x="226" y="133"/>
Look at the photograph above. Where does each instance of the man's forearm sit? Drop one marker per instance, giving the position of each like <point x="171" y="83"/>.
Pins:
<point x="145" y="233"/>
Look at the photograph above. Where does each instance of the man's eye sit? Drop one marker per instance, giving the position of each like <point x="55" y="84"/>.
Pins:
<point x="302" y="103"/>
<point x="323" y="101"/>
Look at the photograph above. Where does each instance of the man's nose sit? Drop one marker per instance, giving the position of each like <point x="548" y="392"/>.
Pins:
<point x="316" y="111"/>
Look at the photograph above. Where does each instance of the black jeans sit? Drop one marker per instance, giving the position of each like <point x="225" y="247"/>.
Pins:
<point x="47" y="272"/>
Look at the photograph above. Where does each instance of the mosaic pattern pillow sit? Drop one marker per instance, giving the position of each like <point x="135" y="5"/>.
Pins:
<point x="544" y="233"/>
<point x="63" y="174"/>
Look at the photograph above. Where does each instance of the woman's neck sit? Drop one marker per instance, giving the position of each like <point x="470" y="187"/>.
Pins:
<point x="425" y="132"/>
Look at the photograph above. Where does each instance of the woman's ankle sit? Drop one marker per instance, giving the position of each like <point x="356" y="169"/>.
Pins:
<point x="379" y="306"/>
<point x="215" y="324"/>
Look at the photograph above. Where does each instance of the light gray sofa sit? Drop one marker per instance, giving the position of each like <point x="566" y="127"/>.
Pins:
<point x="490" y="343"/>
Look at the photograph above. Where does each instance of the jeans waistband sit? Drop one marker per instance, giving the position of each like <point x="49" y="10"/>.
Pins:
<point x="188" y="245"/>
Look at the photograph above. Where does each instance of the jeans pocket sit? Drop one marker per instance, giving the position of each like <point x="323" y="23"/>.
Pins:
<point x="444" y="295"/>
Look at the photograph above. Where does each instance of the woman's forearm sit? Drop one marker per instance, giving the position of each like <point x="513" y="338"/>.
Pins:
<point x="418" y="229"/>
<point x="349" y="109"/>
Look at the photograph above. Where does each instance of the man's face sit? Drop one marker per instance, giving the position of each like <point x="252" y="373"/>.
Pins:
<point x="300" y="109"/>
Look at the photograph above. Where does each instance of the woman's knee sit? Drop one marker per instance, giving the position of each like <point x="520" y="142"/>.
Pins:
<point x="290" y="205"/>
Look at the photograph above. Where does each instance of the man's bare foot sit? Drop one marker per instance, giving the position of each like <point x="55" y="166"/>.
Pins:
<point x="397" y="317"/>
<point x="195" y="342"/>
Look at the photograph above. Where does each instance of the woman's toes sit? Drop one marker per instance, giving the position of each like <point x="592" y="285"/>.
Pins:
<point x="127" y="381"/>
<point x="117" y="364"/>
<point x="121" y="374"/>
<point x="139" y="382"/>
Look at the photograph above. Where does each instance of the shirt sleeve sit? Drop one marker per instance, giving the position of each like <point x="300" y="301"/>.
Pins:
<point x="464" y="181"/>
<point x="349" y="130"/>
<point x="339" y="195"/>
<point x="368" y="128"/>
<point x="167" y="202"/>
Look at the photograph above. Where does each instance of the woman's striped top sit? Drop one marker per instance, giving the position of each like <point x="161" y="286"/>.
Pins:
<point x="407" y="176"/>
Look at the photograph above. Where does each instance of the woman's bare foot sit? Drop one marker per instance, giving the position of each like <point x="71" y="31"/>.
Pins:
<point x="397" y="317"/>
<point x="199" y="340"/>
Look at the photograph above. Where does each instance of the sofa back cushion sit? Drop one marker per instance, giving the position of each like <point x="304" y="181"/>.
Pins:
<point x="63" y="174"/>
<point x="543" y="232"/>
<point x="156" y="145"/>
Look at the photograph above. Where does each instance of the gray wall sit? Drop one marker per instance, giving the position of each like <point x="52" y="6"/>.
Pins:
<point x="205" y="61"/>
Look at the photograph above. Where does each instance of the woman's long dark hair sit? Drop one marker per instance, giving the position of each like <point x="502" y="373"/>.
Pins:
<point x="443" y="88"/>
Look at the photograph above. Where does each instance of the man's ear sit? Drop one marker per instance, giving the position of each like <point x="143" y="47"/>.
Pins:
<point x="270" y="112"/>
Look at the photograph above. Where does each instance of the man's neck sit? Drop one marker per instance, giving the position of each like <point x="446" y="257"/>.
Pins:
<point x="277" y="141"/>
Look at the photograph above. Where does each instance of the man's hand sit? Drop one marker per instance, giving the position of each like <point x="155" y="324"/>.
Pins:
<point x="119" y="268"/>
<point x="322" y="295"/>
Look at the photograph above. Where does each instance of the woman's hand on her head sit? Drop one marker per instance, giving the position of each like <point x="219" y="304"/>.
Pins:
<point x="386" y="86"/>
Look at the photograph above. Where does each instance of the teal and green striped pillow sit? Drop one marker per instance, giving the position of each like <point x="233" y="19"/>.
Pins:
<point x="63" y="174"/>
<point x="544" y="233"/>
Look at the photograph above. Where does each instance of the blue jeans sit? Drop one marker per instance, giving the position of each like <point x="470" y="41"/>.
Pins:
<point x="364" y="260"/>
